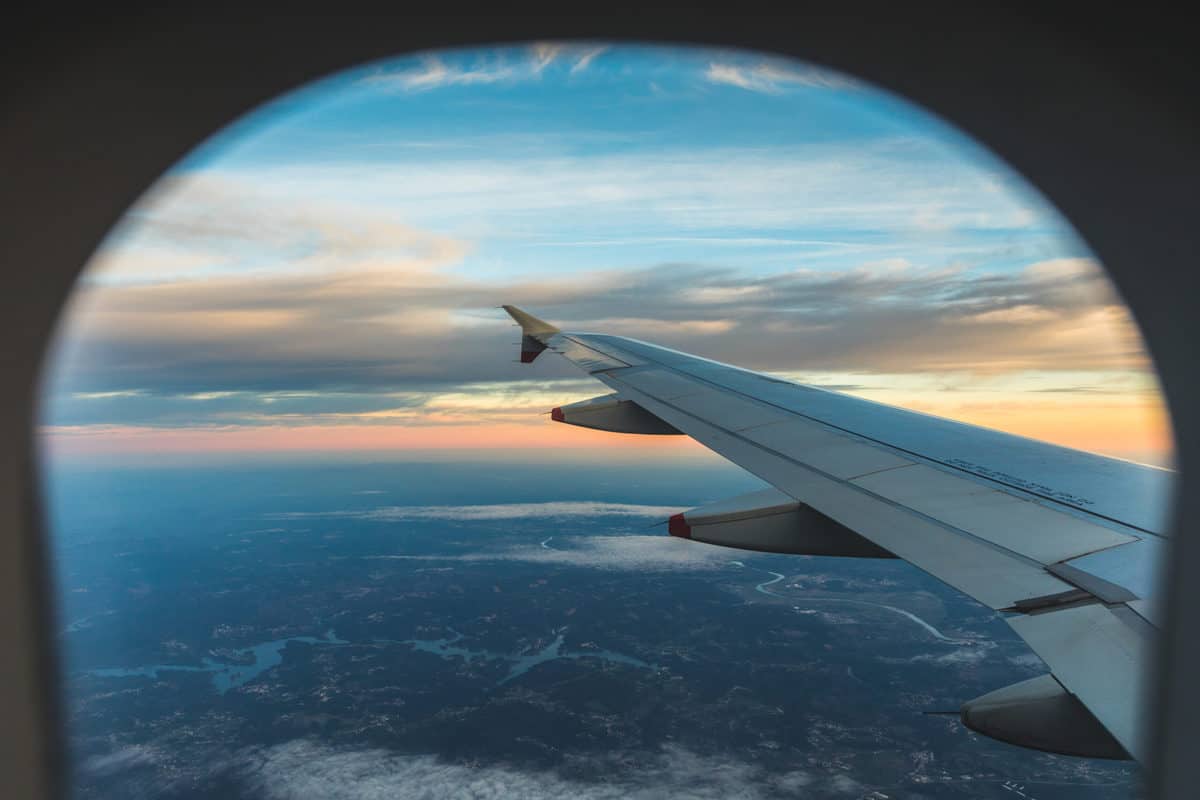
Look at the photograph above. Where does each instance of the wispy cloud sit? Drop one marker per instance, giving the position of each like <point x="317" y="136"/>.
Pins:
<point x="216" y="226"/>
<point x="660" y="553"/>
<point x="977" y="653"/>
<point x="772" y="78"/>
<point x="437" y="404"/>
<point x="586" y="57"/>
<point x="822" y="190"/>
<point x="503" y="511"/>
<point x="630" y="553"/>
<point x="123" y="759"/>
<point x="543" y="53"/>
<point x="435" y="72"/>
<point x="119" y="394"/>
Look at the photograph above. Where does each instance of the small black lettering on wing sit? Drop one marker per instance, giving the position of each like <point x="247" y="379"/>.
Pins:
<point x="1019" y="483"/>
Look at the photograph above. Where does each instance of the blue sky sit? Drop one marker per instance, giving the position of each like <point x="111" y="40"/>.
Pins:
<point x="339" y="252"/>
<point x="550" y="158"/>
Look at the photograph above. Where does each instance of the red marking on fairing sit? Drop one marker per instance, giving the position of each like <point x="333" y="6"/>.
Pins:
<point x="527" y="356"/>
<point x="557" y="415"/>
<point x="678" y="526"/>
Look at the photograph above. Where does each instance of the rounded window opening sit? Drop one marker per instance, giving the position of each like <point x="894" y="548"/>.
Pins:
<point x="312" y="529"/>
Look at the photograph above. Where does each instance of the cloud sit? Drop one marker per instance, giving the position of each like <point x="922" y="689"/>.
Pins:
<point x="630" y="553"/>
<point x="620" y="553"/>
<point x="303" y="769"/>
<point x="977" y="653"/>
<point x="198" y="226"/>
<point x="543" y="53"/>
<point x="458" y="69"/>
<point x="121" y="394"/>
<point x="816" y="191"/>
<point x="586" y="57"/>
<point x="773" y="78"/>
<point x="293" y="311"/>
<point x="436" y="404"/>
<point x="412" y="345"/>
<point x="551" y="510"/>
<point x="355" y="332"/>
<point x="433" y="73"/>
<point x="122" y="759"/>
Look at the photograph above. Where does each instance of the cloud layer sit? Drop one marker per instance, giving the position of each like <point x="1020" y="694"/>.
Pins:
<point x="660" y="553"/>
<point x="436" y="72"/>
<point x="306" y="769"/>
<point x="372" y="304"/>
<point x="562" y="509"/>
<point x="359" y="343"/>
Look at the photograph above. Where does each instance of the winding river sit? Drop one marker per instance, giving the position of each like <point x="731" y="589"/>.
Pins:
<point x="930" y="629"/>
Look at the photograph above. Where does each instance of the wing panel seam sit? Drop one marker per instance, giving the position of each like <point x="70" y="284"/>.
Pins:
<point x="907" y="509"/>
<point x="927" y="459"/>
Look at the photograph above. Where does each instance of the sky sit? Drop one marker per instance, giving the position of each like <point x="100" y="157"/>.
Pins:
<point x="323" y="276"/>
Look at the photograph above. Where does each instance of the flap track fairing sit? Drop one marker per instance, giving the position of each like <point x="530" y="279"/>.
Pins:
<point x="772" y="522"/>
<point x="1041" y="714"/>
<point x="610" y="413"/>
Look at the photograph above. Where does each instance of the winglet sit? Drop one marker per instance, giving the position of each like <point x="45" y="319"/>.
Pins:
<point x="530" y="325"/>
<point x="533" y="333"/>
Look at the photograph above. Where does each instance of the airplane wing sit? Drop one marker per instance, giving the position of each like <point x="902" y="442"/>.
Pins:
<point x="1064" y="544"/>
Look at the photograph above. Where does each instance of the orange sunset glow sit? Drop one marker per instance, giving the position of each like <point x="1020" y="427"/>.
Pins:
<point x="1138" y="431"/>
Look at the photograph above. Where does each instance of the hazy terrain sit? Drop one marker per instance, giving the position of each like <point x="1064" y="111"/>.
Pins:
<point x="448" y="630"/>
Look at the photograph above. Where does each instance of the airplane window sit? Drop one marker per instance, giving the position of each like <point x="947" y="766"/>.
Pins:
<point x="830" y="435"/>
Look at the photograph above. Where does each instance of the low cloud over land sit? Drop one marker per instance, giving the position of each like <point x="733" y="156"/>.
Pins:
<point x="305" y="769"/>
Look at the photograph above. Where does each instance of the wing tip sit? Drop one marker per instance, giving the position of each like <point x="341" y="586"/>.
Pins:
<point x="530" y="325"/>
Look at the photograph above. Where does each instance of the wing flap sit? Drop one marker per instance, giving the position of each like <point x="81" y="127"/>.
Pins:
<point x="990" y="574"/>
<point x="976" y="509"/>
<point x="829" y="451"/>
<point x="1100" y="658"/>
<point x="658" y="383"/>
<point x="1016" y="524"/>
<point x="714" y="404"/>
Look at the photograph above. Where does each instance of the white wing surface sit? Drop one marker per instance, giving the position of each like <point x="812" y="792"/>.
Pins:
<point x="1066" y="544"/>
